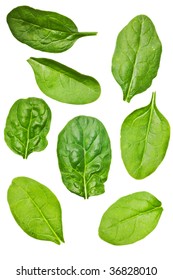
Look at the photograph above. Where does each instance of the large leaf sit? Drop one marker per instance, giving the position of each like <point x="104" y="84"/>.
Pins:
<point x="136" y="57"/>
<point x="27" y="126"/>
<point x="145" y="136"/>
<point x="36" y="209"/>
<point x="130" y="218"/>
<point x="43" y="30"/>
<point x="84" y="156"/>
<point x="63" y="83"/>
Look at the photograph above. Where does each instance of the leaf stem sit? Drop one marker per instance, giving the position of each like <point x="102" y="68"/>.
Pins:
<point x="82" y="34"/>
<point x="153" y="99"/>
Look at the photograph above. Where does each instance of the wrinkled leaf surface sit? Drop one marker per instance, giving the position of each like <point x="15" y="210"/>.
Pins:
<point x="27" y="126"/>
<point x="84" y="156"/>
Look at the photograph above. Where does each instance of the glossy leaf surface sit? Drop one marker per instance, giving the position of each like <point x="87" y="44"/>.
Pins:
<point x="145" y="136"/>
<point x="84" y="156"/>
<point x="27" y="126"/>
<point x="43" y="30"/>
<point x="130" y="219"/>
<point x="36" y="209"/>
<point x="63" y="83"/>
<point x="136" y="57"/>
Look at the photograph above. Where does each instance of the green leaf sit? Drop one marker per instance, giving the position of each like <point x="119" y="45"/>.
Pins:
<point x="145" y="136"/>
<point x="84" y="156"/>
<point x="63" y="83"/>
<point x="36" y="209"/>
<point x="44" y="30"/>
<point x="136" y="57"/>
<point x="130" y="219"/>
<point x="27" y="125"/>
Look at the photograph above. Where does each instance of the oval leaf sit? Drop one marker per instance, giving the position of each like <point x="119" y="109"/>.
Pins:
<point x="130" y="219"/>
<point x="136" y="57"/>
<point x="44" y="30"/>
<point x="27" y="125"/>
<point x="84" y="156"/>
<point x="36" y="209"/>
<point x="145" y="136"/>
<point x="63" y="83"/>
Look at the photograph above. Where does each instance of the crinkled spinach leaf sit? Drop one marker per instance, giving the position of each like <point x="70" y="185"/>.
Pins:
<point x="84" y="156"/>
<point x="136" y="57"/>
<point x="63" y="83"/>
<point x="36" y="209"/>
<point x="130" y="219"/>
<point x="27" y="126"/>
<point x="145" y="136"/>
<point x="44" y="30"/>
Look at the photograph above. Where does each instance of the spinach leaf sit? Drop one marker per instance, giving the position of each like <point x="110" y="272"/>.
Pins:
<point x="27" y="125"/>
<point x="130" y="219"/>
<point x="136" y="57"/>
<point x="43" y="30"/>
<point x="36" y="209"/>
<point x="145" y="136"/>
<point x="84" y="156"/>
<point x="63" y="83"/>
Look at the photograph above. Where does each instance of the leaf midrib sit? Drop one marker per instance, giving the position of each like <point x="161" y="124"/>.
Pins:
<point x="135" y="216"/>
<point x="28" y="134"/>
<point x="84" y="171"/>
<point x="86" y="196"/>
<point x="128" y="95"/>
<point x="45" y="28"/>
<point x="147" y="132"/>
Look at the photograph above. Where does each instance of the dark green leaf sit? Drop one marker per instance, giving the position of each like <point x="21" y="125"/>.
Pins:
<point x="27" y="125"/>
<point x="63" y="83"/>
<point x="84" y="156"/>
<point x="130" y="219"/>
<point x="145" y="136"/>
<point x="43" y="30"/>
<point x="136" y="58"/>
<point x="36" y="209"/>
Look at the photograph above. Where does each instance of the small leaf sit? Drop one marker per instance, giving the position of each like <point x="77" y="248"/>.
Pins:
<point x="27" y="125"/>
<point x="44" y="30"/>
<point x="130" y="219"/>
<point x="84" y="156"/>
<point x="145" y="136"/>
<point x="136" y="57"/>
<point x="36" y="209"/>
<point x="63" y="83"/>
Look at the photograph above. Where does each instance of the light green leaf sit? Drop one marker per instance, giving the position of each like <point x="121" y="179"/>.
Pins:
<point x="145" y="136"/>
<point x="63" y="83"/>
<point x="36" y="209"/>
<point x="136" y="57"/>
<point x="84" y="156"/>
<point x="44" y="30"/>
<point x="130" y="219"/>
<point x="27" y="126"/>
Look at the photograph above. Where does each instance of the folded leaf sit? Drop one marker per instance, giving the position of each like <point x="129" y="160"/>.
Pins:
<point x="145" y="136"/>
<point x="36" y="209"/>
<point x="63" y="83"/>
<point x="27" y="126"/>
<point x="84" y="156"/>
<point x="43" y="30"/>
<point x="130" y="219"/>
<point x="136" y="57"/>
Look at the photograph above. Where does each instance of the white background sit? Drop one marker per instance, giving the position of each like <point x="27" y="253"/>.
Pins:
<point x="91" y="56"/>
